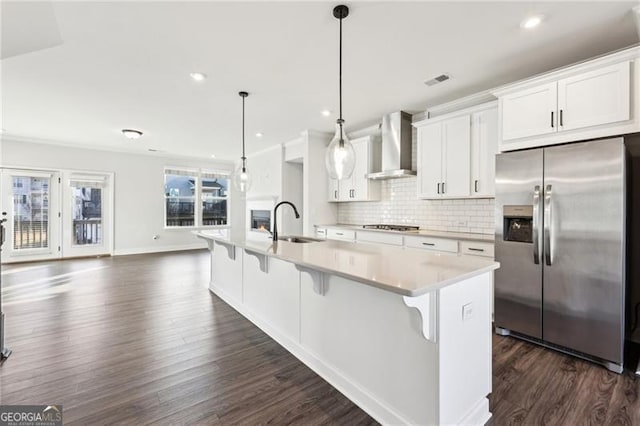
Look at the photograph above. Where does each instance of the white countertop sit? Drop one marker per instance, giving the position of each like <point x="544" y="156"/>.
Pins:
<point x="405" y="271"/>
<point x="422" y="232"/>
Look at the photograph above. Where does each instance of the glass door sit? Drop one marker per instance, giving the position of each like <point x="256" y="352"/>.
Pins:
<point x="31" y="200"/>
<point x="87" y="229"/>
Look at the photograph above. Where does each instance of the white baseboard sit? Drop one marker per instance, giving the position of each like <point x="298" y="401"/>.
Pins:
<point x="159" y="249"/>
<point x="479" y="414"/>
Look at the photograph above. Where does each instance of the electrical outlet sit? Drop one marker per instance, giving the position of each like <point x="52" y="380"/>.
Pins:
<point x="467" y="311"/>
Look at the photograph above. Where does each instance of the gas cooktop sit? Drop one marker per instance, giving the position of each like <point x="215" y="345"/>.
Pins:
<point x="384" y="227"/>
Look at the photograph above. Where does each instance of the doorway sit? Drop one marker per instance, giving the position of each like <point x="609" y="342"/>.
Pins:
<point x="86" y="214"/>
<point x="31" y="202"/>
<point x="55" y="213"/>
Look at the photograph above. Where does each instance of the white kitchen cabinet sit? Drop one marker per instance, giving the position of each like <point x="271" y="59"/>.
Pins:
<point x="341" y="234"/>
<point x="476" y="248"/>
<point x="584" y="101"/>
<point x="358" y="187"/>
<point x="379" y="238"/>
<point x="592" y="98"/>
<point x="431" y="243"/>
<point x="444" y="158"/>
<point x="484" y="146"/>
<point x="321" y="233"/>
<point x="529" y="112"/>
<point x="334" y="190"/>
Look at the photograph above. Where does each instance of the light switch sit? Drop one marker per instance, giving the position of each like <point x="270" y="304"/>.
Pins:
<point x="467" y="311"/>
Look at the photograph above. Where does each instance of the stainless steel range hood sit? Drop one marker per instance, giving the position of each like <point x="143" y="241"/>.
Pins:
<point x="396" y="147"/>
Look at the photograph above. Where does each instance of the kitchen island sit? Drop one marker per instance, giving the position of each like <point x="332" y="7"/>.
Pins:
<point x="404" y="334"/>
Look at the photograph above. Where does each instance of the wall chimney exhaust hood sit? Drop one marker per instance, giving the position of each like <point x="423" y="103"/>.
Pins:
<point x="396" y="147"/>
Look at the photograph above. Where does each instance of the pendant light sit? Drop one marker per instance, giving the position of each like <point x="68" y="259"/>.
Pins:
<point x="241" y="177"/>
<point x="340" y="158"/>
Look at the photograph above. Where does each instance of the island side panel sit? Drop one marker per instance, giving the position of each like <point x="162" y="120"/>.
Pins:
<point x="464" y="336"/>
<point x="374" y="348"/>
<point x="226" y="272"/>
<point x="273" y="296"/>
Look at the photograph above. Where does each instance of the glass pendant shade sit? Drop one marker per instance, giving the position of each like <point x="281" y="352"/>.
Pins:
<point x="241" y="178"/>
<point x="340" y="158"/>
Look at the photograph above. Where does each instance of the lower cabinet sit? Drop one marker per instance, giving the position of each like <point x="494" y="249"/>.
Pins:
<point x="423" y="242"/>
<point x="477" y="248"/>
<point x="379" y="238"/>
<point x="341" y="234"/>
<point x="430" y="243"/>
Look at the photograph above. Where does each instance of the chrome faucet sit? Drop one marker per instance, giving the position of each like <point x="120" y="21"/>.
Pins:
<point x="275" y="218"/>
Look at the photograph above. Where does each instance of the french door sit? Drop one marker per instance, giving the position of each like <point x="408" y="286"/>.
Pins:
<point x="86" y="212"/>
<point x="31" y="201"/>
<point x="54" y="214"/>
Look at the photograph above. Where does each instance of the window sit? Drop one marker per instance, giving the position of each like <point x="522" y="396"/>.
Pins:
<point x="195" y="198"/>
<point x="86" y="209"/>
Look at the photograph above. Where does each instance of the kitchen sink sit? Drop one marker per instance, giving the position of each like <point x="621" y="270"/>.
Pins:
<point x="299" y="239"/>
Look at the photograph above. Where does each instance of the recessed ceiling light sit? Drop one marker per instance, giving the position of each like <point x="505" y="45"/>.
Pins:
<point x="258" y="135"/>
<point x="326" y="113"/>
<point x="198" y="76"/>
<point x="531" y="21"/>
<point x="131" y="133"/>
<point x="213" y="156"/>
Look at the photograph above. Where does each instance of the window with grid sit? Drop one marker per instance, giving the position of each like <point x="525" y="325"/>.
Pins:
<point x="195" y="198"/>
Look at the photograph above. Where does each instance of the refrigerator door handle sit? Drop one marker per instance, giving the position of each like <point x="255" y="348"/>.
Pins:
<point x="547" y="226"/>
<point x="536" y="236"/>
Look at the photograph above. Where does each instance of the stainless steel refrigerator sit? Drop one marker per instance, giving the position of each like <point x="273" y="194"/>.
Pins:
<point x="560" y="241"/>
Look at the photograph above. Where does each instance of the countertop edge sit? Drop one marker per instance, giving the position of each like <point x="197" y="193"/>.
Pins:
<point x="386" y="287"/>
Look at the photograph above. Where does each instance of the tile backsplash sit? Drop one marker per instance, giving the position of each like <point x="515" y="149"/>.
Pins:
<point x="400" y="206"/>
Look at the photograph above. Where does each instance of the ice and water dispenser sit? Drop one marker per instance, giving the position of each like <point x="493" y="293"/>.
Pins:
<point x="518" y="223"/>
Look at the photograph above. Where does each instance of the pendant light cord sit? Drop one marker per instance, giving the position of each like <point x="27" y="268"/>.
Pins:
<point x="244" y="157"/>
<point x="340" y="71"/>
<point x="340" y="120"/>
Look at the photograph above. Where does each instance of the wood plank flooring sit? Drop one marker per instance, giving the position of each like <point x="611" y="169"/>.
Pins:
<point x="140" y="340"/>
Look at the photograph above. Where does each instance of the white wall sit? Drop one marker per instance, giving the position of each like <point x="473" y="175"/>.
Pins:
<point x="316" y="181"/>
<point x="138" y="190"/>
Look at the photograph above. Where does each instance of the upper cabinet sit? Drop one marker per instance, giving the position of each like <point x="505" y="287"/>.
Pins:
<point x="456" y="154"/>
<point x="593" y="98"/>
<point x="358" y="187"/>
<point x="530" y="112"/>
<point x="590" y="100"/>
<point x="444" y="158"/>
<point x="484" y="147"/>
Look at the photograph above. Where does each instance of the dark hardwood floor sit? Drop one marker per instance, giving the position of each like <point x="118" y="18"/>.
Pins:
<point x="140" y="340"/>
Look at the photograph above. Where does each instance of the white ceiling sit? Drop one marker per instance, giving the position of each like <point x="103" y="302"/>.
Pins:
<point x="114" y="65"/>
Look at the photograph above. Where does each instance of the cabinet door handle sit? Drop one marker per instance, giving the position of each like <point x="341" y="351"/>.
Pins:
<point x="475" y="249"/>
<point x="561" y="119"/>
<point x="551" y="118"/>
<point x="443" y="191"/>
<point x="429" y="244"/>
<point x="339" y="233"/>
<point x="335" y="194"/>
<point x="475" y="185"/>
<point x="438" y="187"/>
